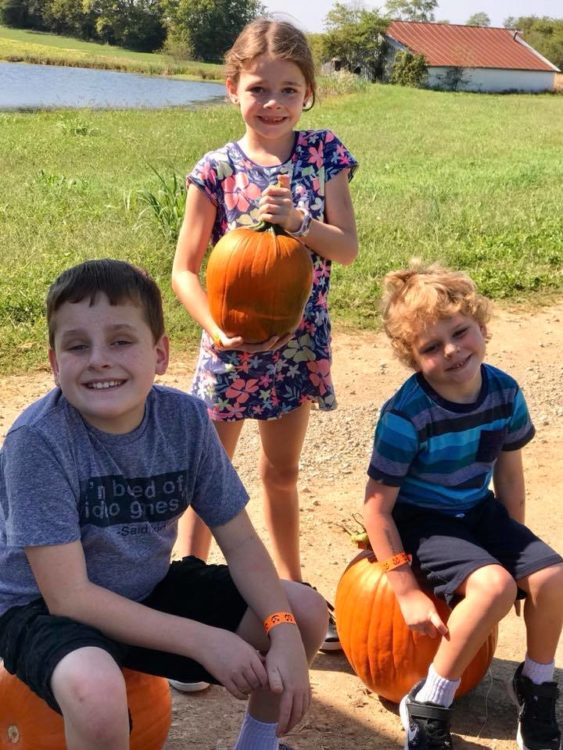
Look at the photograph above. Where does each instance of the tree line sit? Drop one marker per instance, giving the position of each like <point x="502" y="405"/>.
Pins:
<point x="205" y="29"/>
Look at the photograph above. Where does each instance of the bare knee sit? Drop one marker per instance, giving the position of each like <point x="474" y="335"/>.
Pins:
<point x="311" y="613"/>
<point x="90" y="689"/>
<point x="545" y="585"/>
<point x="282" y="477"/>
<point x="493" y="587"/>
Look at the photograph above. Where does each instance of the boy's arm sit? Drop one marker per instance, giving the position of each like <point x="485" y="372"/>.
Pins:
<point x="61" y="574"/>
<point x="508" y="480"/>
<point x="255" y="577"/>
<point x="417" y="608"/>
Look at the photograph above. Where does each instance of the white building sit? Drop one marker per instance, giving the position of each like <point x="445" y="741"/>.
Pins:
<point x="473" y="58"/>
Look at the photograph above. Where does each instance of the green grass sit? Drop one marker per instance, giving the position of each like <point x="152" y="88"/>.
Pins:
<point x="475" y="181"/>
<point x="18" y="45"/>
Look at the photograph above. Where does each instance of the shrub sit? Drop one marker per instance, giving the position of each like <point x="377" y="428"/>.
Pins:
<point x="409" y="70"/>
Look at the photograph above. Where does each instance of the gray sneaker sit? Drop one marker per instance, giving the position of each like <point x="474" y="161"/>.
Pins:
<point x="188" y="687"/>
<point x="537" y="721"/>
<point x="427" y="725"/>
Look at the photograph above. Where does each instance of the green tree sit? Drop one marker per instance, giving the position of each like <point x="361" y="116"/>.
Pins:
<point x="136" y="24"/>
<point x="544" y="34"/>
<point x="23" y="14"/>
<point x="355" y="36"/>
<point x="409" y="70"/>
<point x="478" y="19"/>
<point x="207" y="28"/>
<point x="411" y="10"/>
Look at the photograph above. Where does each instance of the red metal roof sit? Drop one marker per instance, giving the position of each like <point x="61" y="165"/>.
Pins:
<point x="467" y="46"/>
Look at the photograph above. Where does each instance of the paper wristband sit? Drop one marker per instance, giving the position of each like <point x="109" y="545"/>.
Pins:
<point x="395" y="562"/>
<point x="278" y="618"/>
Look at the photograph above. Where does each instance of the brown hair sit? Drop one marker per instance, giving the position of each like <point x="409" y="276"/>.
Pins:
<point x="277" y="38"/>
<point x="419" y="296"/>
<point x="119" y="281"/>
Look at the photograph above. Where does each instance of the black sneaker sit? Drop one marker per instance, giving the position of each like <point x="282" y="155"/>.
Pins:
<point x="426" y="724"/>
<point x="537" y="722"/>
<point x="331" y="641"/>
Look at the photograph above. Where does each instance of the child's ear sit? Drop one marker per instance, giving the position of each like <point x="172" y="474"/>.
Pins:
<point x="162" y="347"/>
<point x="232" y="90"/>
<point x="54" y="365"/>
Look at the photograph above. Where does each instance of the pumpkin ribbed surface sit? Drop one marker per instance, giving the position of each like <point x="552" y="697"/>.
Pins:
<point x="258" y="281"/>
<point x="27" y="722"/>
<point x="387" y="656"/>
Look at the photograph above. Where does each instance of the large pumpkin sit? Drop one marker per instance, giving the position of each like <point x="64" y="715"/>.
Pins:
<point x="27" y="722"/>
<point x="388" y="656"/>
<point x="258" y="281"/>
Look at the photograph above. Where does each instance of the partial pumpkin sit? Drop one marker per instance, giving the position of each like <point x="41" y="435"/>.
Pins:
<point x="387" y="656"/>
<point x="27" y="722"/>
<point x="258" y="281"/>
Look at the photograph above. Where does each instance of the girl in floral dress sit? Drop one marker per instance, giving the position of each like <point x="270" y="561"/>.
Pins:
<point x="299" y="180"/>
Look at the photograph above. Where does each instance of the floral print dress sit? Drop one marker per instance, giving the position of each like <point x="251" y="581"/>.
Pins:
<point x="240" y="385"/>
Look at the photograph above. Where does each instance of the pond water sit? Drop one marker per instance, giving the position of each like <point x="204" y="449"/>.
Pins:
<point x="24" y="86"/>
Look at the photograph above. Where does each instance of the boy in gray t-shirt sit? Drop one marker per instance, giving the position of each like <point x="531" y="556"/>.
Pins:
<point x="93" y="479"/>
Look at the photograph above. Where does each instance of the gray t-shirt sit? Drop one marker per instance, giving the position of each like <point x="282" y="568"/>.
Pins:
<point x="121" y="495"/>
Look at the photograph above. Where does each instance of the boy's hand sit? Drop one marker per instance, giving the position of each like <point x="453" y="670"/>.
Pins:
<point x="420" y="614"/>
<point x="234" y="662"/>
<point x="288" y="675"/>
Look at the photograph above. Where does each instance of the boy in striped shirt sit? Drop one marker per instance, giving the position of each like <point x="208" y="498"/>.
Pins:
<point x="453" y="426"/>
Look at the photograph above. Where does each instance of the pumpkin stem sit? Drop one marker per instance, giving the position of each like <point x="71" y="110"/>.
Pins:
<point x="265" y="226"/>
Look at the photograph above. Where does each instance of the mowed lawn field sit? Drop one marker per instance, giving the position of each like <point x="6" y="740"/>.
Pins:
<point x="475" y="181"/>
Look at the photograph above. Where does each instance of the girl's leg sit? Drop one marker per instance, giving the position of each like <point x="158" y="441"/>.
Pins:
<point x="488" y="594"/>
<point x="282" y="441"/>
<point x="194" y="538"/>
<point x="90" y="690"/>
<point x="543" y="612"/>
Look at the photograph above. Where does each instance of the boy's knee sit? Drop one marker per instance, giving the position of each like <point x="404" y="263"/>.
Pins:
<point x="92" y="700"/>
<point x="494" y="585"/>
<point x="546" y="582"/>
<point x="311" y="612"/>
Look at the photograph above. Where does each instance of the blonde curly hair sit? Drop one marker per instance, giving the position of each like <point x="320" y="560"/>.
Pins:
<point x="419" y="296"/>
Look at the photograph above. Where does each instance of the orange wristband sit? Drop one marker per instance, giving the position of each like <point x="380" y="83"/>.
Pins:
<point x="216" y="339"/>
<point x="394" y="562"/>
<point x="278" y="618"/>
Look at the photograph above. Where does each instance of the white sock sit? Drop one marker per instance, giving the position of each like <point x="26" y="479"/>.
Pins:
<point x="256" y="735"/>
<point x="437" y="689"/>
<point x="537" y="672"/>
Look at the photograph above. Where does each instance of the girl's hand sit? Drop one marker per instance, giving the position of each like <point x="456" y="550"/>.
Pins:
<point x="237" y="343"/>
<point x="420" y="614"/>
<point x="276" y="206"/>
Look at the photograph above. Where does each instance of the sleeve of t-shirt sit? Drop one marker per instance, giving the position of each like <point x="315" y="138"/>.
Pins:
<point x="208" y="174"/>
<point x="219" y="494"/>
<point x="336" y="157"/>
<point x="394" y="447"/>
<point x="41" y="506"/>
<point x="520" y="428"/>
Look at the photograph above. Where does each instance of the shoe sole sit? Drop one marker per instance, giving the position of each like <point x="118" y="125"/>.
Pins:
<point x="189" y="687"/>
<point x="331" y="646"/>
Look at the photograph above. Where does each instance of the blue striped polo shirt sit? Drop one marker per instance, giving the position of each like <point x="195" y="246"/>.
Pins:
<point x="440" y="453"/>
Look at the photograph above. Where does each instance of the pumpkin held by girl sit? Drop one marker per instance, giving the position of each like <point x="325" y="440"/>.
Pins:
<point x="387" y="656"/>
<point x="258" y="280"/>
<point x="28" y="723"/>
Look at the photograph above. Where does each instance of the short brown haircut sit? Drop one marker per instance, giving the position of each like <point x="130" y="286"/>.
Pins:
<point x="119" y="281"/>
<point x="277" y="38"/>
<point x="419" y="296"/>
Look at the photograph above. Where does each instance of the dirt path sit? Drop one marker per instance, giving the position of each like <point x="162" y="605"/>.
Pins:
<point x="344" y="713"/>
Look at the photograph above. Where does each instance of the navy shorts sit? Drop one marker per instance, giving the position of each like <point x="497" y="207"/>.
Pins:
<point x="447" y="549"/>
<point x="33" y="642"/>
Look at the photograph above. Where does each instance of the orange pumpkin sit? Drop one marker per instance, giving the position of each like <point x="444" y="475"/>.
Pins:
<point x="258" y="281"/>
<point x="387" y="656"/>
<point x="28" y="723"/>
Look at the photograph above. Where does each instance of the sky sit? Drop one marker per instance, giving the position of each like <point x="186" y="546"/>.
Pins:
<point x="310" y="14"/>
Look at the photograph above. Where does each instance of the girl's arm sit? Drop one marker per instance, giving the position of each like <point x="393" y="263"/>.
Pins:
<point x="417" y="608"/>
<point x="335" y="238"/>
<point x="508" y="480"/>
<point x="193" y="241"/>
